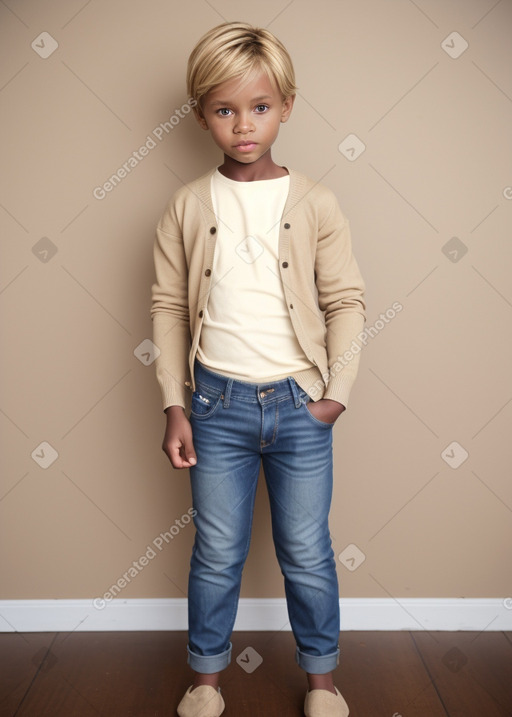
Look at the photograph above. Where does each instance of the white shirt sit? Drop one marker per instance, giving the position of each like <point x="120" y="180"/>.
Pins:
<point x="247" y="332"/>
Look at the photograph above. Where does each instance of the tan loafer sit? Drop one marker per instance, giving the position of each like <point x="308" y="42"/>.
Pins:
<point x="322" y="703"/>
<point x="204" y="701"/>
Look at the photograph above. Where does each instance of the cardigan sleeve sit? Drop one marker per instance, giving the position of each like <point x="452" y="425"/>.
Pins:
<point x="169" y="309"/>
<point x="341" y="297"/>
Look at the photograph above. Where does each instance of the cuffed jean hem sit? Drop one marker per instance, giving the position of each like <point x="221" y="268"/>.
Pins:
<point x="208" y="664"/>
<point x="317" y="665"/>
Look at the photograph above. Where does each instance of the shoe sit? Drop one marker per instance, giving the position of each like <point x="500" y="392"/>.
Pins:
<point x="204" y="701"/>
<point x="322" y="703"/>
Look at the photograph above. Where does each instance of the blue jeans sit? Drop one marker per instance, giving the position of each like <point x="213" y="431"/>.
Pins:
<point x="237" y="425"/>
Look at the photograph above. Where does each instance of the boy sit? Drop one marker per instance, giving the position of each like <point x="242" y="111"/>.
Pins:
<point x="257" y="298"/>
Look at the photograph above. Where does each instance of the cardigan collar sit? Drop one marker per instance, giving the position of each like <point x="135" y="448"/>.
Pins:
<point x="201" y="187"/>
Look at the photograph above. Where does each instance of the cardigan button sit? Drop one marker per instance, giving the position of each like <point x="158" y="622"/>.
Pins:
<point x="201" y="314"/>
<point x="285" y="264"/>
<point x="212" y="230"/>
<point x="208" y="272"/>
<point x="286" y="226"/>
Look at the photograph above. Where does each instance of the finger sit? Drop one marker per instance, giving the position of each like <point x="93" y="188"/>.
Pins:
<point x="176" y="457"/>
<point x="188" y="453"/>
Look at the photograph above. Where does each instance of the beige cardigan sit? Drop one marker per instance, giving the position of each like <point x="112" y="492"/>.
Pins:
<point x="322" y="285"/>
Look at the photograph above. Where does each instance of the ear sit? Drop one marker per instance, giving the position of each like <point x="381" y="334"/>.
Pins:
<point x="287" y="108"/>
<point x="200" y="118"/>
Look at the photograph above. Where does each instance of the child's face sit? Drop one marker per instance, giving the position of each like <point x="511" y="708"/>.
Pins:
<point x="239" y="111"/>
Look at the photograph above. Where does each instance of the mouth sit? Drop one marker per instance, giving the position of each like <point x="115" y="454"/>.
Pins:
<point x="245" y="146"/>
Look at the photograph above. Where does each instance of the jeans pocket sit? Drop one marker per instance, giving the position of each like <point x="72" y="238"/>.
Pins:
<point x="305" y="401"/>
<point x="204" y="402"/>
<point x="317" y="420"/>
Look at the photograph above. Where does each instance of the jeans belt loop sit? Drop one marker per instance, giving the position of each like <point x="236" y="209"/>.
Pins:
<point x="294" y="390"/>
<point x="227" y="392"/>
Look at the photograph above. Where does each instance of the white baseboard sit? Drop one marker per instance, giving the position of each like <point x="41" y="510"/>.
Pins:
<point x="489" y="614"/>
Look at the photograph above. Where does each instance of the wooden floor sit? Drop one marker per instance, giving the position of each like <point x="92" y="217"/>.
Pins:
<point x="144" y="674"/>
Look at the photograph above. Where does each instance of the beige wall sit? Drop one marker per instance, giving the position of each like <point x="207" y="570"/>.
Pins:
<point x="436" y="166"/>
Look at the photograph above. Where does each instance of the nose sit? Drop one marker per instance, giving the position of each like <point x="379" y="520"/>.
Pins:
<point x="243" y="124"/>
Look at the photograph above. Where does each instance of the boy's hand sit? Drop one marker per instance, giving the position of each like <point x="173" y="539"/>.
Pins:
<point x="325" y="409"/>
<point x="177" y="444"/>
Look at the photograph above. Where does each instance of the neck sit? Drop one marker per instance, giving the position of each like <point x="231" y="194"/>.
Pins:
<point x="262" y="168"/>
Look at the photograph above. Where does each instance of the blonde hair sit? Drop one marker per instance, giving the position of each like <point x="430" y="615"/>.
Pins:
<point x="232" y="50"/>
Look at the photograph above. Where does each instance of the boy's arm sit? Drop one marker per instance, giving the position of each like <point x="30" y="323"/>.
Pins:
<point x="171" y="334"/>
<point x="341" y="296"/>
<point x="169" y="310"/>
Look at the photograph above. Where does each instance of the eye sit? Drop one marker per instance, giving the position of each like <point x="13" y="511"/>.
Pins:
<point x="262" y="108"/>
<point x="222" y="110"/>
